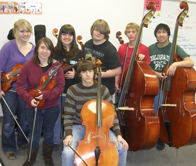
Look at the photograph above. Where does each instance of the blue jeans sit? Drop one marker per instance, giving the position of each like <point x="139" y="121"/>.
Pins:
<point x="57" y="128"/>
<point x="18" y="107"/>
<point x="78" y="134"/>
<point x="156" y="100"/>
<point x="47" y="118"/>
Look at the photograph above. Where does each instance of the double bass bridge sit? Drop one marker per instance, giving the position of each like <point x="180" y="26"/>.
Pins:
<point x="175" y="105"/>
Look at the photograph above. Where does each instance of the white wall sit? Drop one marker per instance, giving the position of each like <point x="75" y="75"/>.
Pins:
<point x="80" y="14"/>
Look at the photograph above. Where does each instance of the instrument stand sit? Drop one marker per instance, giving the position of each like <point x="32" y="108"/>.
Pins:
<point x="167" y="125"/>
<point x="133" y="157"/>
<point x="97" y="153"/>
<point x="176" y="156"/>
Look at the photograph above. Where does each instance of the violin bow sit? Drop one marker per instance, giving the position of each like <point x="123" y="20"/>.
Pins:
<point x="14" y="118"/>
<point x="79" y="155"/>
<point x="33" y="132"/>
<point x="124" y="65"/>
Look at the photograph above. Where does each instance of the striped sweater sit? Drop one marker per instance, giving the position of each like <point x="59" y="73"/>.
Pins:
<point x="77" y="95"/>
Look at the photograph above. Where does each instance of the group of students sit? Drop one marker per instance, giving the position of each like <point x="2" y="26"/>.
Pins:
<point x="73" y="88"/>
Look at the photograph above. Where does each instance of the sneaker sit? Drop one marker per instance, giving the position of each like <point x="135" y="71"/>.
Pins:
<point x="25" y="147"/>
<point x="55" y="147"/>
<point x="11" y="155"/>
<point x="160" y="144"/>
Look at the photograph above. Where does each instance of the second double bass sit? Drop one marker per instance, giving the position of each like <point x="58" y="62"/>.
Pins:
<point x="178" y="112"/>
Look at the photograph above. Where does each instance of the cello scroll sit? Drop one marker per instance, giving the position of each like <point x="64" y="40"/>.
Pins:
<point x="54" y="32"/>
<point x="119" y="38"/>
<point x="79" y="38"/>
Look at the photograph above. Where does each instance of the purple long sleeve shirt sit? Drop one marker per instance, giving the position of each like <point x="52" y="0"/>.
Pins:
<point x="10" y="55"/>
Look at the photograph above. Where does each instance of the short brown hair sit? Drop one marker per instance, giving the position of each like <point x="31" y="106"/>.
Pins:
<point x="101" y="26"/>
<point x="49" y="45"/>
<point x="85" y="65"/>
<point x="132" y="26"/>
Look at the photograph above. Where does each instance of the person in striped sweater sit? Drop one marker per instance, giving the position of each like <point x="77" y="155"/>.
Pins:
<point x="77" y="96"/>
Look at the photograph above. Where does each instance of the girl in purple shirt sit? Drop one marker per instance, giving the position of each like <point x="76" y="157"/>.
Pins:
<point x="16" y="51"/>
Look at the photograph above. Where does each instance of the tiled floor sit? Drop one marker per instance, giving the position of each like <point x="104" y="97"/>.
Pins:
<point x="184" y="156"/>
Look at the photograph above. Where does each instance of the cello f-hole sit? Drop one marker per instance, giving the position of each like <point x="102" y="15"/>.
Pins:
<point x="89" y="138"/>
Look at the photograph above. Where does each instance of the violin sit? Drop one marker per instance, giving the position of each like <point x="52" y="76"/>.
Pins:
<point x="119" y="38"/>
<point x="139" y="87"/>
<point x="178" y="111"/>
<point x="54" y="32"/>
<point x="79" y="38"/>
<point x="97" y="116"/>
<point x="7" y="79"/>
<point x="47" y="83"/>
<point x="67" y="67"/>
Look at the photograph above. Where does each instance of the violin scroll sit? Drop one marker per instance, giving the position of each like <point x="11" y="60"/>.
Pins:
<point x="119" y="38"/>
<point x="54" y="32"/>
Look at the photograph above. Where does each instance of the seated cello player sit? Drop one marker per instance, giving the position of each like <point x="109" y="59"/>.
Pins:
<point x="77" y="96"/>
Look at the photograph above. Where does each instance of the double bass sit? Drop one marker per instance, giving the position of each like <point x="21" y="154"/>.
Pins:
<point x="178" y="111"/>
<point x="97" y="116"/>
<point x="139" y="87"/>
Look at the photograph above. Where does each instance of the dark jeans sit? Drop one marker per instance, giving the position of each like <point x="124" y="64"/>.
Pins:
<point x="47" y="118"/>
<point x="17" y="106"/>
<point x="57" y="128"/>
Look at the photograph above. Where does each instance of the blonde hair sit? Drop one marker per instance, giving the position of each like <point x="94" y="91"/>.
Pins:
<point x="132" y="26"/>
<point x="24" y="24"/>
<point x="101" y="26"/>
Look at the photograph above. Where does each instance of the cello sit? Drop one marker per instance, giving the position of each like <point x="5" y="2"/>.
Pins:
<point x="178" y="111"/>
<point x="139" y="87"/>
<point x="96" y="148"/>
